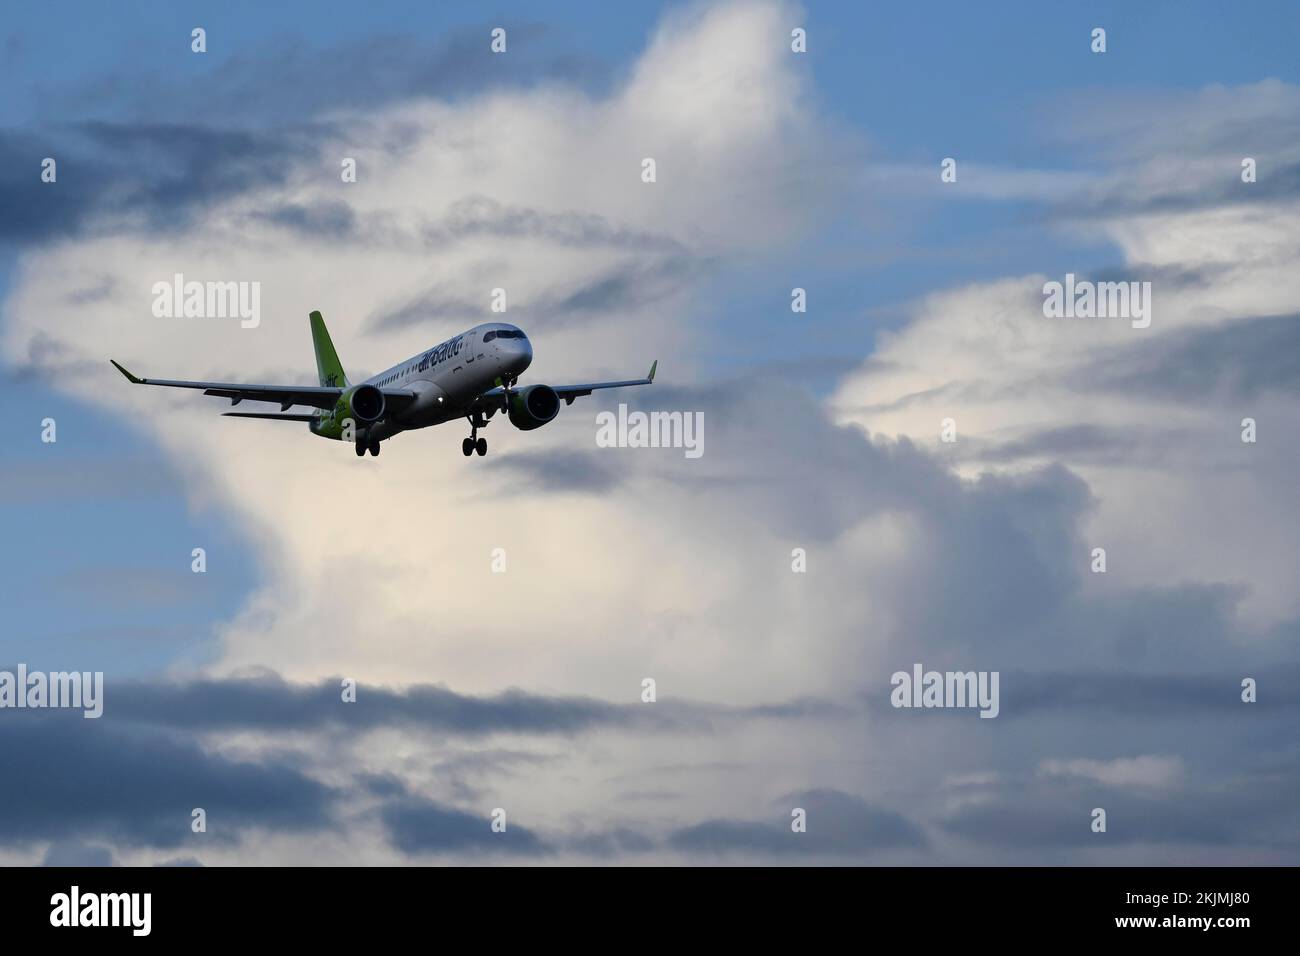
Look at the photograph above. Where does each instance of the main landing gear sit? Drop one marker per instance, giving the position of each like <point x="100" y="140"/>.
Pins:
<point x="363" y="447"/>
<point x="473" y="443"/>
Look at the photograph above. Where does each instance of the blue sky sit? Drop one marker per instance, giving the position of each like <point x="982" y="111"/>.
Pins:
<point x="102" y="522"/>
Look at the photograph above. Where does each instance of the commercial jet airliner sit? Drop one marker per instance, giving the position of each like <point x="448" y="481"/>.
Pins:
<point x="470" y="376"/>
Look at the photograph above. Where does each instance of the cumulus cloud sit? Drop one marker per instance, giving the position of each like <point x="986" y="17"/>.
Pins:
<point x="383" y="575"/>
<point x="1150" y="418"/>
<point x="535" y="190"/>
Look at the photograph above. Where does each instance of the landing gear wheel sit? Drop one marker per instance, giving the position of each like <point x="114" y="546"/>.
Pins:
<point x="374" y="449"/>
<point x="361" y="449"/>
<point x="473" y="443"/>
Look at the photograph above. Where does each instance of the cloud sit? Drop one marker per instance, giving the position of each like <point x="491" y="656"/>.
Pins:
<point x="98" y="187"/>
<point x="837" y="824"/>
<point x="1149" y="418"/>
<point x="76" y="854"/>
<point x="616" y="844"/>
<point x="335" y="219"/>
<point x="1162" y="694"/>
<point x="1152" y="770"/>
<point x="534" y="188"/>
<point x="137" y="787"/>
<point x="1242" y="361"/>
<point x="284" y="77"/>
<point x="420" y="826"/>
<point x="538" y="192"/>
<point x="267" y="702"/>
<point x="527" y="473"/>
<point x="1170" y="154"/>
<point x="1056" y="812"/>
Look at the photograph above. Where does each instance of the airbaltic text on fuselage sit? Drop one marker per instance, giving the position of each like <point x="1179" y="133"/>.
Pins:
<point x="440" y="353"/>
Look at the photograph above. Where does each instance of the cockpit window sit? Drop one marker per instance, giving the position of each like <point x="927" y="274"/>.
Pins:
<point x="489" y="336"/>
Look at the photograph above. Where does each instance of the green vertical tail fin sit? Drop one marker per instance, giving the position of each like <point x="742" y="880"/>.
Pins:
<point x="328" y="366"/>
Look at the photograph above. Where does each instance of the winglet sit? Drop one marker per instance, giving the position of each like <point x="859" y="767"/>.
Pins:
<point x="129" y="377"/>
<point x="654" y="365"/>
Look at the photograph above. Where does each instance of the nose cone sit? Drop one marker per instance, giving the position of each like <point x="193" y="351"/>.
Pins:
<point x="523" y="354"/>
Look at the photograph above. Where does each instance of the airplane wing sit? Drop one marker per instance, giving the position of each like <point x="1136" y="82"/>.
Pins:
<point x="272" y="416"/>
<point x="570" y="392"/>
<point x="284" y="395"/>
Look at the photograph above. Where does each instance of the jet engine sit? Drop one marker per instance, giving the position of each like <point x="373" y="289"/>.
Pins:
<point x="367" y="403"/>
<point x="533" y="406"/>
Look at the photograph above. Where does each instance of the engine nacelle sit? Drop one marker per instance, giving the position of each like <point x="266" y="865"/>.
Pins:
<point x="533" y="406"/>
<point x="366" y="403"/>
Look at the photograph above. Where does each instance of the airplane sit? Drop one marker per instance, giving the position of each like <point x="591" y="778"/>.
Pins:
<point x="471" y="376"/>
